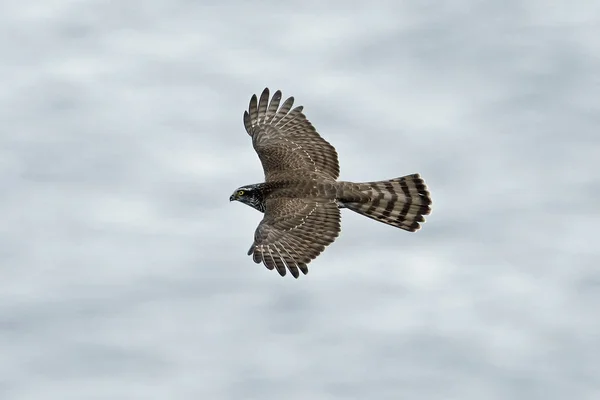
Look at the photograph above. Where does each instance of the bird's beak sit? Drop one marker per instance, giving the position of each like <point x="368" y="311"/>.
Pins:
<point x="231" y="198"/>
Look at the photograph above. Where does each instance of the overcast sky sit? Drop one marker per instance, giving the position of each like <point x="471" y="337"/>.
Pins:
<point x="123" y="266"/>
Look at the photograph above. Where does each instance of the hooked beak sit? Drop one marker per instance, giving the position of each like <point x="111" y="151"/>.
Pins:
<point x="231" y="198"/>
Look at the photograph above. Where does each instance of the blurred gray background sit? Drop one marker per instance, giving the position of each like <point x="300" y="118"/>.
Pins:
<point x="123" y="267"/>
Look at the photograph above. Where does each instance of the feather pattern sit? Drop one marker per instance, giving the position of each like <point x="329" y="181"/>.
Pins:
<point x="285" y="140"/>
<point x="301" y="197"/>
<point x="294" y="232"/>
<point x="400" y="202"/>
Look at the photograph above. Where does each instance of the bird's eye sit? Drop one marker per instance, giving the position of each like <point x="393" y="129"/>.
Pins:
<point x="240" y="193"/>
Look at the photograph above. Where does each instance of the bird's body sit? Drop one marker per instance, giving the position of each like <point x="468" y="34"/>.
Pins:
<point x="339" y="192"/>
<point x="301" y="195"/>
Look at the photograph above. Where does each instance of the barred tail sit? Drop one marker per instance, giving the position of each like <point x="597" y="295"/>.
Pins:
<point x="400" y="202"/>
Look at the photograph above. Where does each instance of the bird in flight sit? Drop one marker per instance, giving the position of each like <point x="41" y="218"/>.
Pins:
<point x="301" y="196"/>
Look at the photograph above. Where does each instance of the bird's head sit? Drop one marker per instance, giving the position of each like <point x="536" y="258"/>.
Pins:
<point x="250" y="195"/>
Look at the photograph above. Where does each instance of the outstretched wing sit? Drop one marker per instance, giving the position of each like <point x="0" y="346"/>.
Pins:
<point x="286" y="142"/>
<point x="293" y="232"/>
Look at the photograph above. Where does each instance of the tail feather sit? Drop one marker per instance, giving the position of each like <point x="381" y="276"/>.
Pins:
<point x="401" y="202"/>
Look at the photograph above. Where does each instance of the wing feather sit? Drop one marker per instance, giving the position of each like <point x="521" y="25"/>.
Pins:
<point x="285" y="141"/>
<point x="282" y="264"/>
<point x="247" y="122"/>
<point x="285" y="108"/>
<point x="253" y="109"/>
<point x="289" y="260"/>
<point x="273" y="107"/>
<point x="287" y="121"/>
<point x="293" y="232"/>
<point x="263" y="103"/>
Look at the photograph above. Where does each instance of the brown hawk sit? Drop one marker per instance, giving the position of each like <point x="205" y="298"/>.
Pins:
<point x="301" y="196"/>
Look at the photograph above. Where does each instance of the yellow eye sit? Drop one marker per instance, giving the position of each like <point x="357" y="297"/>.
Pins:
<point x="240" y="193"/>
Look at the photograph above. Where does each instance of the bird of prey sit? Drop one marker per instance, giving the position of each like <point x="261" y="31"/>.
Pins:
<point x="301" y="196"/>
